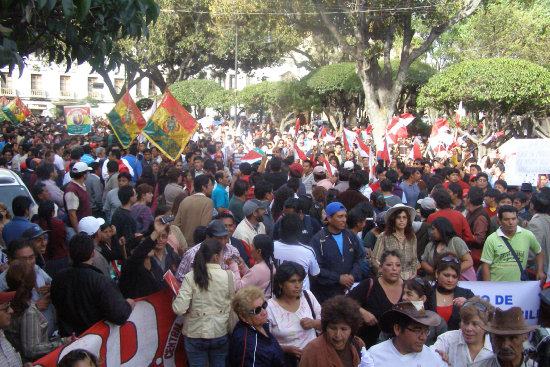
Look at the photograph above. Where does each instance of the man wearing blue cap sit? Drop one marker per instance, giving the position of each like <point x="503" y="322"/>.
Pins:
<point x="339" y="255"/>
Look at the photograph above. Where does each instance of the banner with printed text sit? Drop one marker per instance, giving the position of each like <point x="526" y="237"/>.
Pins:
<point x="510" y="294"/>
<point x="78" y="120"/>
<point x="150" y="337"/>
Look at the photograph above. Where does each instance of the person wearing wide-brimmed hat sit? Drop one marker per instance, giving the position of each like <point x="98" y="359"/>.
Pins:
<point x="508" y="331"/>
<point x="410" y="324"/>
<point x="399" y="235"/>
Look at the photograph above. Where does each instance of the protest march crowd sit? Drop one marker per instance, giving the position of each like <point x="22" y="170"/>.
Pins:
<point x="293" y="248"/>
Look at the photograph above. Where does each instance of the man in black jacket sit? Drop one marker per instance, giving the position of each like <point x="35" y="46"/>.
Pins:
<point x="82" y="295"/>
<point x="339" y="255"/>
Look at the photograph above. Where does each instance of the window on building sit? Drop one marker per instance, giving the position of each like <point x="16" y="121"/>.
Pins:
<point x="64" y="84"/>
<point x="231" y="81"/>
<point x="119" y="84"/>
<point x="36" y="82"/>
<point x="5" y="80"/>
<point x="91" y="81"/>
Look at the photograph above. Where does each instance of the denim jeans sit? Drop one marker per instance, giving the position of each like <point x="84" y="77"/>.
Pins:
<point x="201" y="350"/>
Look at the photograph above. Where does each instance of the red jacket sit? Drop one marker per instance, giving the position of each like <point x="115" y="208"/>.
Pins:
<point x="55" y="249"/>
<point x="457" y="220"/>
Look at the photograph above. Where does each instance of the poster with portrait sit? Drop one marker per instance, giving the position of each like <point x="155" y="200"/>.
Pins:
<point x="78" y="120"/>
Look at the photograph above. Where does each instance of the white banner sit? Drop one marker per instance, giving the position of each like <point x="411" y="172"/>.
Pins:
<point x="532" y="156"/>
<point x="505" y="295"/>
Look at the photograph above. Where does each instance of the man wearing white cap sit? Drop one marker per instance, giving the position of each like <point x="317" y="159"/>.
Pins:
<point x="91" y="226"/>
<point x="76" y="198"/>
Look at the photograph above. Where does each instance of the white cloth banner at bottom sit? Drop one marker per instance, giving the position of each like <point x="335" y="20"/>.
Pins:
<point x="506" y="295"/>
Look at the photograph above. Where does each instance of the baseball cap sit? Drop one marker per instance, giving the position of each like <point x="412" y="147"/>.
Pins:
<point x="250" y="207"/>
<point x="261" y="204"/>
<point x="6" y="297"/>
<point x="33" y="232"/>
<point x="427" y="203"/>
<point x="80" y="167"/>
<point x="349" y="165"/>
<point x="334" y="208"/>
<point x="297" y="167"/>
<point x="90" y="225"/>
<point x="319" y="170"/>
<point x="216" y="228"/>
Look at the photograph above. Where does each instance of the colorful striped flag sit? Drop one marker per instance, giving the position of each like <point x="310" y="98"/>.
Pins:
<point x="126" y="120"/>
<point x="170" y="127"/>
<point x="16" y="111"/>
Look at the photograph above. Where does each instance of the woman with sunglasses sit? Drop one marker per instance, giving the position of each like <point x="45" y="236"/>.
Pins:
<point x="294" y="315"/>
<point x="252" y="344"/>
<point x="448" y="296"/>
<point x="443" y="238"/>
<point x="470" y="343"/>
<point x="204" y="298"/>
<point x="338" y="345"/>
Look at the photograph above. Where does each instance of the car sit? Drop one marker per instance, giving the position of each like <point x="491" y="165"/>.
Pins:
<point x="11" y="186"/>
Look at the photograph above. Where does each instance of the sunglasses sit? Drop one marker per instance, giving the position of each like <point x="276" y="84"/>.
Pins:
<point x="449" y="259"/>
<point x="257" y="310"/>
<point x="480" y="306"/>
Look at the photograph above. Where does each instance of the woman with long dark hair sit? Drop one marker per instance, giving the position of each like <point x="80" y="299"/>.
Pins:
<point x="444" y="239"/>
<point x="204" y="298"/>
<point x="261" y="274"/>
<point x="29" y="327"/>
<point x="399" y="235"/>
<point x="56" y="256"/>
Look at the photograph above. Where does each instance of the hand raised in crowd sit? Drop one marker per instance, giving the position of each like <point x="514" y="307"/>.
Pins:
<point x="159" y="226"/>
<point x="43" y="302"/>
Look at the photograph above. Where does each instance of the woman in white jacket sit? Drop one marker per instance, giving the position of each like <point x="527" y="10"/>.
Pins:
<point x="204" y="298"/>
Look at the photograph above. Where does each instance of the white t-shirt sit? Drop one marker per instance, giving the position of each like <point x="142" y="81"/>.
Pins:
<point x="59" y="163"/>
<point x="385" y="354"/>
<point x="285" y="325"/>
<point x="301" y="254"/>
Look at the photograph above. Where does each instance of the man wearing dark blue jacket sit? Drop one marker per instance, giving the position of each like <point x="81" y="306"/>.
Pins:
<point x="338" y="253"/>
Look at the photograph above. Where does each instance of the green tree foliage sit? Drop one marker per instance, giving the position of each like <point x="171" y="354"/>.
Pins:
<point x="506" y="28"/>
<point x="500" y="88"/>
<point x="71" y="31"/>
<point x="220" y="100"/>
<point x="339" y="88"/>
<point x="368" y="31"/>
<point x="283" y="99"/>
<point x="193" y="93"/>
<point x="144" y="104"/>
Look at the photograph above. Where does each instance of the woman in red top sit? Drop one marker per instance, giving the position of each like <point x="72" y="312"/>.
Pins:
<point x="56" y="256"/>
<point x="448" y="296"/>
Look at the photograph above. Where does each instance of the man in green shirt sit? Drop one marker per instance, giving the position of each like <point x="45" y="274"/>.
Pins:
<point x="498" y="263"/>
<point x="240" y="189"/>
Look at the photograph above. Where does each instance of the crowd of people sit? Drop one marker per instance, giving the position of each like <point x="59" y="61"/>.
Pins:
<point x="282" y="261"/>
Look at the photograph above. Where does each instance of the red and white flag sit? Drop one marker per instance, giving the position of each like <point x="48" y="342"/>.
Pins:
<point x="460" y="114"/>
<point x="349" y="139"/>
<point x="398" y="127"/>
<point x="150" y="337"/>
<point x="441" y="134"/>
<point x="363" y="148"/>
<point x="329" y="167"/>
<point x="385" y="153"/>
<point x="299" y="154"/>
<point x="493" y="137"/>
<point x="297" y="127"/>
<point x="367" y="133"/>
<point x="251" y="157"/>
<point x="415" y="152"/>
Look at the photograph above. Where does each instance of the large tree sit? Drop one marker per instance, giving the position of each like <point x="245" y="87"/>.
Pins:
<point x="503" y="94"/>
<point x="71" y="31"/>
<point x="370" y="30"/>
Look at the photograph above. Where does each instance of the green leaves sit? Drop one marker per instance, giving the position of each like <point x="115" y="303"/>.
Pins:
<point x="82" y="8"/>
<point x="68" y="8"/>
<point x="508" y="86"/>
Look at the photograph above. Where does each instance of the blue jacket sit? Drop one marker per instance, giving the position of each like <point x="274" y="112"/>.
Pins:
<point x="249" y="348"/>
<point x="333" y="263"/>
<point x="15" y="228"/>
